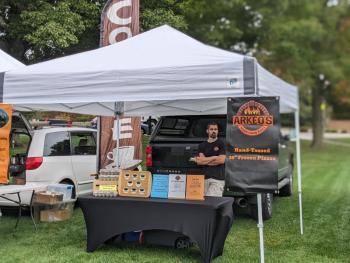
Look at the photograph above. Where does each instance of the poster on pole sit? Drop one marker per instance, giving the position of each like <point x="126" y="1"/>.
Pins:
<point x="5" y="129"/>
<point x="252" y="137"/>
<point x="119" y="21"/>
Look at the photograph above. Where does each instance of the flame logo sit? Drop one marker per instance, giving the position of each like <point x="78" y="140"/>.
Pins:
<point x="252" y="111"/>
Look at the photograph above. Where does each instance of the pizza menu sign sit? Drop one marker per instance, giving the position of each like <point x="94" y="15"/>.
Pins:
<point x="252" y="137"/>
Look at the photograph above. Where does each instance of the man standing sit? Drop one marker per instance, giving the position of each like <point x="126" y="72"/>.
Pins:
<point x="212" y="156"/>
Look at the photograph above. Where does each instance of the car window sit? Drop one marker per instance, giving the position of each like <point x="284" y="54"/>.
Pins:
<point x="174" y="127"/>
<point x="83" y="143"/>
<point x="57" y="144"/>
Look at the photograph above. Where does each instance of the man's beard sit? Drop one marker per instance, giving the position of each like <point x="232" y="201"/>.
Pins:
<point x="213" y="136"/>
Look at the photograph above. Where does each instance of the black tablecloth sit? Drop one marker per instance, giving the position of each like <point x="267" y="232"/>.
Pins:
<point x="207" y="223"/>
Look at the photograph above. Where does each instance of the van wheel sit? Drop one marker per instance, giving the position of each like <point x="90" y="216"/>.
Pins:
<point x="69" y="182"/>
<point x="266" y="207"/>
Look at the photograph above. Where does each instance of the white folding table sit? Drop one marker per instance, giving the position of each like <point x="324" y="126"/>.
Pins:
<point x="6" y="190"/>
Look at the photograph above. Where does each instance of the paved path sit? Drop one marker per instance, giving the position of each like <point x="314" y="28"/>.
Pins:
<point x="308" y="135"/>
<point x="337" y="143"/>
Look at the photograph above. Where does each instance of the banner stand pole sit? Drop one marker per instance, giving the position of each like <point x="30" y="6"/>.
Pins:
<point x="98" y="144"/>
<point x="261" y="229"/>
<point x="117" y="115"/>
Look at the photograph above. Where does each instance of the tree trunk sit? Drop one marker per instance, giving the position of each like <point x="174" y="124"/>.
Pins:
<point x="317" y="118"/>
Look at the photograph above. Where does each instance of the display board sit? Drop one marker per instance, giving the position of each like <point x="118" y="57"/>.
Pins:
<point x="252" y="137"/>
<point x="195" y="187"/>
<point x="5" y="130"/>
<point x="160" y="186"/>
<point x="177" y="186"/>
<point x="135" y="183"/>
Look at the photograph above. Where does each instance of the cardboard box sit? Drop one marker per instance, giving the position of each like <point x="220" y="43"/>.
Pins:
<point x="195" y="187"/>
<point x="177" y="186"/>
<point x="45" y="197"/>
<point x="53" y="212"/>
<point x="104" y="187"/>
<point x="54" y="215"/>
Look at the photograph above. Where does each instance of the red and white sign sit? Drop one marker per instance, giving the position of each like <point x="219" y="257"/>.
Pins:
<point x="119" y="21"/>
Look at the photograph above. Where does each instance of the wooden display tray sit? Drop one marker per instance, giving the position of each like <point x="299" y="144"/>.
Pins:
<point x="135" y="183"/>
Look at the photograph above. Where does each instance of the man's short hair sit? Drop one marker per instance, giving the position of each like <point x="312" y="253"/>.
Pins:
<point x="212" y="123"/>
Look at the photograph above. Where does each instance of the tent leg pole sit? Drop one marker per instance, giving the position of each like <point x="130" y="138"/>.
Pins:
<point x="297" y="129"/>
<point x="261" y="229"/>
<point x="98" y="144"/>
<point x="117" y="115"/>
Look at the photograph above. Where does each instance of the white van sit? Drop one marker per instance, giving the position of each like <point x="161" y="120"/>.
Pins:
<point x="55" y="155"/>
<point x="63" y="155"/>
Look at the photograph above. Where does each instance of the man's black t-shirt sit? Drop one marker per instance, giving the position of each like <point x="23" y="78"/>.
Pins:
<point x="213" y="149"/>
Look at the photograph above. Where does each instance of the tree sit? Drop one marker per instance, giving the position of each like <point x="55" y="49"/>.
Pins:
<point x="303" y="42"/>
<point x="35" y="30"/>
<point x="154" y="13"/>
<point x="301" y="45"/>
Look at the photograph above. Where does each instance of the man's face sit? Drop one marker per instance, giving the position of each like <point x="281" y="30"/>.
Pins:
<point x="213" y="131"/>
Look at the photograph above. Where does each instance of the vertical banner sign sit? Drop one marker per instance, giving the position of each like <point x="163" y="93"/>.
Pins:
<point x="252" y="135"/>
<point x="119" y="21"/>
<point x="5" y="129"/>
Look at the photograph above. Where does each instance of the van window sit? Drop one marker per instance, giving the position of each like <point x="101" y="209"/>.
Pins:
<point x="57" y="144"/>
<point x="83" y="143"/>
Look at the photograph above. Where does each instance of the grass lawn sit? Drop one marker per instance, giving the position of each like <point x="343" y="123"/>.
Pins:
<point x="326" y="187"/>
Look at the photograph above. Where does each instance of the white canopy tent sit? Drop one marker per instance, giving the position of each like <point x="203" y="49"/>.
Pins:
<point x="147" y="72"/>
<point x="7" y="63"/>
<point x="159" y="72"/>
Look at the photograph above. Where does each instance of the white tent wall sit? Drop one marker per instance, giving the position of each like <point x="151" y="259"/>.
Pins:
<point x="164" y="92"/>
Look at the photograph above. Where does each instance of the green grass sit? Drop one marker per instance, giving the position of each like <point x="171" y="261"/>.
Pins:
<point x="326" y="188"/>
